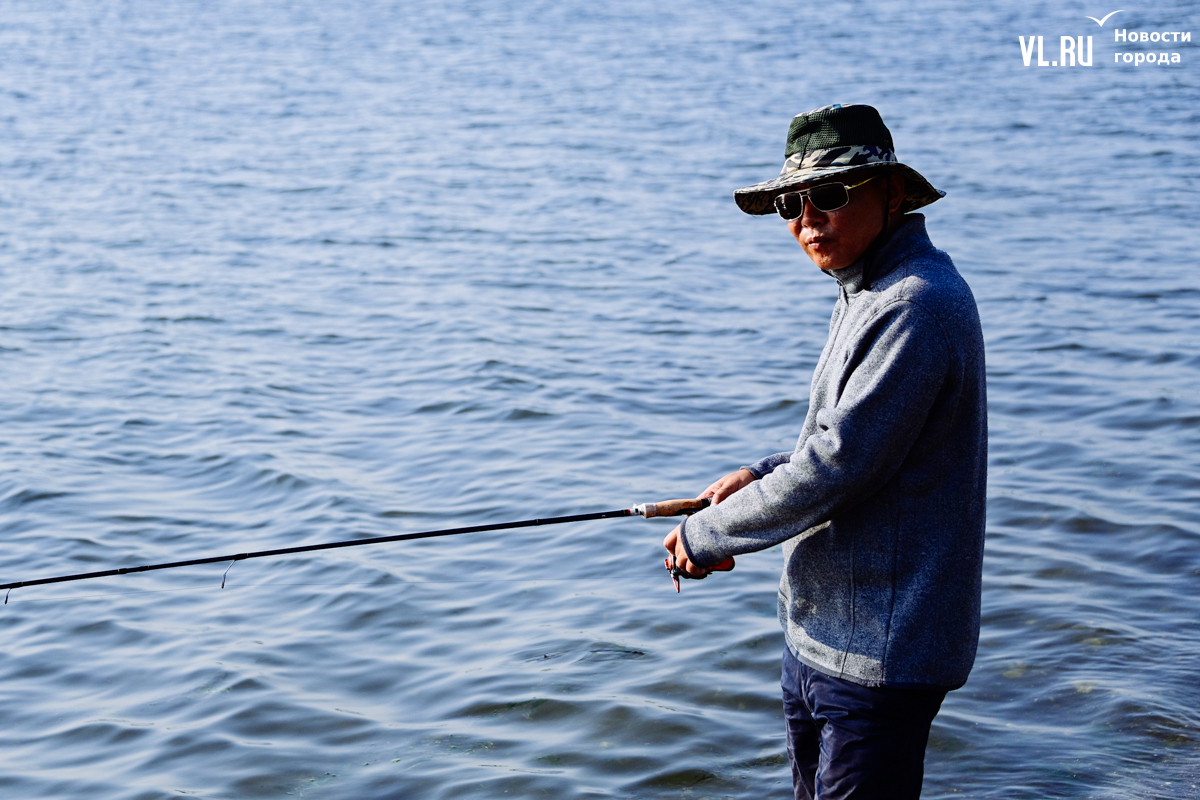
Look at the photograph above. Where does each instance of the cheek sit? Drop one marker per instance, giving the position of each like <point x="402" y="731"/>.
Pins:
<point x="859" y="223"/>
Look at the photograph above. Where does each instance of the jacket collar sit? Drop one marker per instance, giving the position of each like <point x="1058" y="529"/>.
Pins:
<point x="909" y="239"/>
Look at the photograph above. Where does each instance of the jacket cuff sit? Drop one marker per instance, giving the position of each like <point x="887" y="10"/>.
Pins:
<point x="766" y="466"/>
<point x="702" y="548"/>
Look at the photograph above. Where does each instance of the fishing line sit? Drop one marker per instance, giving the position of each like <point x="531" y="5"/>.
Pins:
<point x="226" y="573"/>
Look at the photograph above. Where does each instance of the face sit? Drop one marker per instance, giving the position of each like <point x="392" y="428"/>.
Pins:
<point x="835" y="239"/>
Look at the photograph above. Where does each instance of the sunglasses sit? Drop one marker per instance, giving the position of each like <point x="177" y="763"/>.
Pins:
<point x="826" y="197"/>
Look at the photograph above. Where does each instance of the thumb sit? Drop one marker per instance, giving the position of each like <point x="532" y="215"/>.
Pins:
<point x="720" y="493"/>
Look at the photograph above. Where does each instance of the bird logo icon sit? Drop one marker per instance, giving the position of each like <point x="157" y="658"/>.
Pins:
<point x="1101" y="22"/>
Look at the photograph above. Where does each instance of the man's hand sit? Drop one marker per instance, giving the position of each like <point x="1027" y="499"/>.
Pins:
<point x="717" y="492"/>
<point x="674" y="545"/>
<point x="728" y="485"/>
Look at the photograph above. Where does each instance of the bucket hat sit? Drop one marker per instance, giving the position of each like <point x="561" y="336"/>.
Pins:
<point x="835" y="140"/>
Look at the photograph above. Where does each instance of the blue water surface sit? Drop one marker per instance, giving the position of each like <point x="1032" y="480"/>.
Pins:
<point x="279" y="273"/>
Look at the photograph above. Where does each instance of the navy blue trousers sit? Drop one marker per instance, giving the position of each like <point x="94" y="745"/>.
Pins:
<point x="849" y="741"/>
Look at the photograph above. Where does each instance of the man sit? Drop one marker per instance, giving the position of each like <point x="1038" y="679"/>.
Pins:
<point x="881" y="505"/>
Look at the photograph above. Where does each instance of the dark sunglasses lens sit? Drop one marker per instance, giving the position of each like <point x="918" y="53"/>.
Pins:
<point x="829" y="197"/>
<point x="790" y="205"/>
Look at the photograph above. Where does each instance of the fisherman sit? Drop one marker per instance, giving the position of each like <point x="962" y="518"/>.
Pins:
<point x="881" y="505"/>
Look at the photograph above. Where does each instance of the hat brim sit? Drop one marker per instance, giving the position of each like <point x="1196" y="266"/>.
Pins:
<point x="759" y="198"/>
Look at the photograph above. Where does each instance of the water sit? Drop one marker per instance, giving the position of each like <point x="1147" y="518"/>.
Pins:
<point x="282" y="273"/>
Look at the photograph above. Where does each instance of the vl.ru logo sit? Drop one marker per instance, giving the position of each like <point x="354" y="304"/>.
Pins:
<point x="1070" y="49"/>
<point x="1068" y="52"/>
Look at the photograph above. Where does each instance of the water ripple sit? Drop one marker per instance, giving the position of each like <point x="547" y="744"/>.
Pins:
<point x="285" y="273"/>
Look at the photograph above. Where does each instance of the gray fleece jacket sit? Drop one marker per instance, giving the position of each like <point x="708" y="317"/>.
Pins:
<point x="881" y="504"/>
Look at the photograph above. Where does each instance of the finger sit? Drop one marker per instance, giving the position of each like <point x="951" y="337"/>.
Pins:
<point x="692" y="571"/>
<point x="684" y="563"/>
<point x="672" y="540"/>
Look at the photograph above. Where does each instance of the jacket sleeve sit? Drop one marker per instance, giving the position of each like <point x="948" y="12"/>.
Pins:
<point x="895" y="370"/>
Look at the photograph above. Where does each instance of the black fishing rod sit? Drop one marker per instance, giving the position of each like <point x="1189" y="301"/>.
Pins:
<point x="669" y="508"/>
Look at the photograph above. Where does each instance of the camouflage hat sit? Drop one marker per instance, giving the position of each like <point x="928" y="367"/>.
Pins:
<point x="835" y="140"/>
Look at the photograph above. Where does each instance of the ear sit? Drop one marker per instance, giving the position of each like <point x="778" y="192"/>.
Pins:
<point x="895" y="192"/>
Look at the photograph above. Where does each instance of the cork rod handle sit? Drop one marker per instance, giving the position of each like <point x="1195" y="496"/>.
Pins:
<point x="671" y="508"/>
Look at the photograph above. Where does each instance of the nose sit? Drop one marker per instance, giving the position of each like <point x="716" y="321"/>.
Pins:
<point x="812" y="216"/>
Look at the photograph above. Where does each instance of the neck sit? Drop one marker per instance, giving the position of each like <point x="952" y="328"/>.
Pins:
<point x="867" y="259"/>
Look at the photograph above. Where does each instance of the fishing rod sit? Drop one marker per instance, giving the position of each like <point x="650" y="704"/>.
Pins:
<point x="669" y="508"/>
